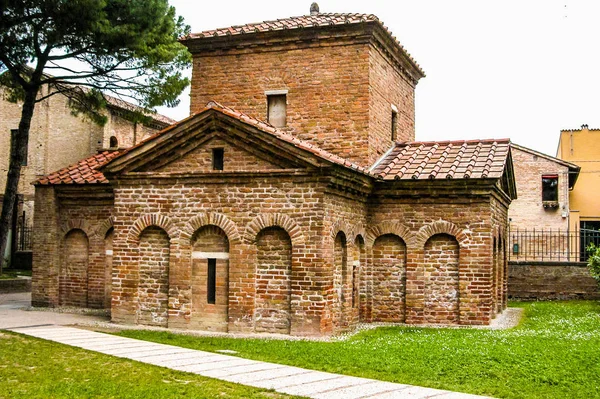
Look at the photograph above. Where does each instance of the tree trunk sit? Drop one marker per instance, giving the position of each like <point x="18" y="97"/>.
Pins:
<point x="14" y="171"/>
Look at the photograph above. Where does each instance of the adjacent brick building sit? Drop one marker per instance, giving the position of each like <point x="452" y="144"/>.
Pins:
<point x="58" y="138"/>
<point x="328" y="214"/>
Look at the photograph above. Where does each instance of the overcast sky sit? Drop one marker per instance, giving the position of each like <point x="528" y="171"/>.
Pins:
<point x="523" y="69"/>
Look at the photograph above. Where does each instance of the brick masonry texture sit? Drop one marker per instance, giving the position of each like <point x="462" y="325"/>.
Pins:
<point x="304" y="242"/>
<point x="551" y="281"/>
<point x="527" y="211"/>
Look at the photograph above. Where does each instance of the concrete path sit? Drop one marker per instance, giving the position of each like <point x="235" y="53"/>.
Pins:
<point x="285" y="379"/>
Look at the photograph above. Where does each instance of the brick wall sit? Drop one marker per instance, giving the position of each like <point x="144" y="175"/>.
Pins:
<point x="328" y="86"/>
<point x="234" y="159"/>
<point x="440" y="268"/>
<point x="153" y="285"/>
<point x="551" y="281"/>
<point x="74" y="270"/>
<point x="88" y="212"/>
<point x="389" y="278"/>
<point x="273" y="281"/>
<point x="388" y="87"/>
<point x="415" y="219"/>
<point x="527" y="211"/>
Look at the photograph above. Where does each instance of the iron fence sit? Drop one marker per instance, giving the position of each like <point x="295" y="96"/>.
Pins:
<point x="24" y="238"/>
<point x="551" y="245"/>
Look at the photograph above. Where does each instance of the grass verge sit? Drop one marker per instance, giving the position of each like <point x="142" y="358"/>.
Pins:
<point x="554" y="353"/>
<point x="33" y="368"/>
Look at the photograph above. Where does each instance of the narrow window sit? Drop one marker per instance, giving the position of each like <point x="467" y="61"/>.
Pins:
<point x="13" y="145"/>
<point x="394" y="124"/>
<point x="217" y="158"/>
<point x="277" y="109"/>
<point x="550" y="188"/>
<point x="211" y="281"/>
<point x="354" y="287"/>
<point x="114" y="143"/>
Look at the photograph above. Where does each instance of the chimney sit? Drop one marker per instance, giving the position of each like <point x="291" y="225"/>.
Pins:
<point x="584" y="126"/>
<point x="314" y="9"/>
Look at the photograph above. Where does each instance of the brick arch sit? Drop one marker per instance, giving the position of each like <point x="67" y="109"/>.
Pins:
<point x="341" y="225"/>
<point x="216" y="219"/>
<point x="274" y="219"/>
<point x="358" y="230"/>
<point x="80" y="224"/>
<point x="106" y="225"/>
<point x="388" y="227"/>
<point x="441" y="227"/>
<point x="154" y="219"/>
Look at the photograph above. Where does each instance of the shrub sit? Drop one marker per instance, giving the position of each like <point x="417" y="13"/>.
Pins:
<point x="594" y="261"/>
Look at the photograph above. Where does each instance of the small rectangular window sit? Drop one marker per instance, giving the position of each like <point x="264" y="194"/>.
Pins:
<point x="13" y="145"/>
<point x="211" y="281"/>
<point x="550" y="188"/>
<point x="277" y="109"/>
<point x="394" y="124"/>
<point x="217" y="161"/>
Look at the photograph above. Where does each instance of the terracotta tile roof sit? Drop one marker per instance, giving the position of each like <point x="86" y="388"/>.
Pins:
<point x="300" y="22"/>
<point x="475" y="159"/>
<point x="83" y="172"/>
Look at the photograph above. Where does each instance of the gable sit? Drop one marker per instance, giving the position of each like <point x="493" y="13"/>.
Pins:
<point x="235" y="159"/>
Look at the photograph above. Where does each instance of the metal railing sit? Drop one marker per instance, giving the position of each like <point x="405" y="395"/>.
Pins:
<point x="24" y="238"/>
<point x="551" y="245"/>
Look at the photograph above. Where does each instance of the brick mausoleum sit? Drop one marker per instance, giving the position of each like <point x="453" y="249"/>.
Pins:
<point x="327" y="215"/>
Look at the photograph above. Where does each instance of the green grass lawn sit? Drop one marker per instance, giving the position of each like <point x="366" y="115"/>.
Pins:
<point x="14" y="273"/>
<point x="554" y="353"/>
<point x="33" y="368"/>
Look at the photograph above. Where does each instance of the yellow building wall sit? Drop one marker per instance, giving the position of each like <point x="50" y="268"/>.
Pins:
<point x="582" y="147"/>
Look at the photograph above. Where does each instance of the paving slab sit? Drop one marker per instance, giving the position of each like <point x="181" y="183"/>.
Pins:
<point x="285" y="379"/>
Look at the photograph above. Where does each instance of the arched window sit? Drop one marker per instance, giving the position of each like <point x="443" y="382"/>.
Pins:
<point x="114" y="143"/>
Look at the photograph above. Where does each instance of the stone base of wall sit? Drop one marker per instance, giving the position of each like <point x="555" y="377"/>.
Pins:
<point x="551" y="281"/>
<point x="15" y="285"/>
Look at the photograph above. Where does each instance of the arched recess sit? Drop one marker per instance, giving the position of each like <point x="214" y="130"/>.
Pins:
<point x="106" y="225"/>
<point x="340" y="275"/>
<point x="273" y="281"/>
<point x="495" y="274"/>
<point x="274" y="219"/>
<point x="502" y="275"/>
<point x="389" y="227"/>
<point x="154" y="219"/>
<point x="441" y="280"/>
<point x="217" y="219"/>
<point x="108" y="261"/>
<point x="441" y="227"/>
<point x="210" y="278"/>
<point x="389" y="278"/>
<point x="153" y="286"/>
<point x="358" y="266"/>
<point x="73" y="286"/>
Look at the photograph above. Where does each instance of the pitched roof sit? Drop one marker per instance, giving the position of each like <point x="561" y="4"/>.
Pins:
<point x="83" y="172"/>
<point x="474" y="159"/>
<point x="573" y="169"/>
<point x="302" y="22"/>
<point x="261" y="125"/>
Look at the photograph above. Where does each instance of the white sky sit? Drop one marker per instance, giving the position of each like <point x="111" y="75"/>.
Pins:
<point x="523" y="69"/>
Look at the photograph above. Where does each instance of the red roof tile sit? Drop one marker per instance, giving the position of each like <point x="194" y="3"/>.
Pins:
<point x="300" y="22"/>
<point x="475" y="159"/>
<point x="83" y="172"/>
